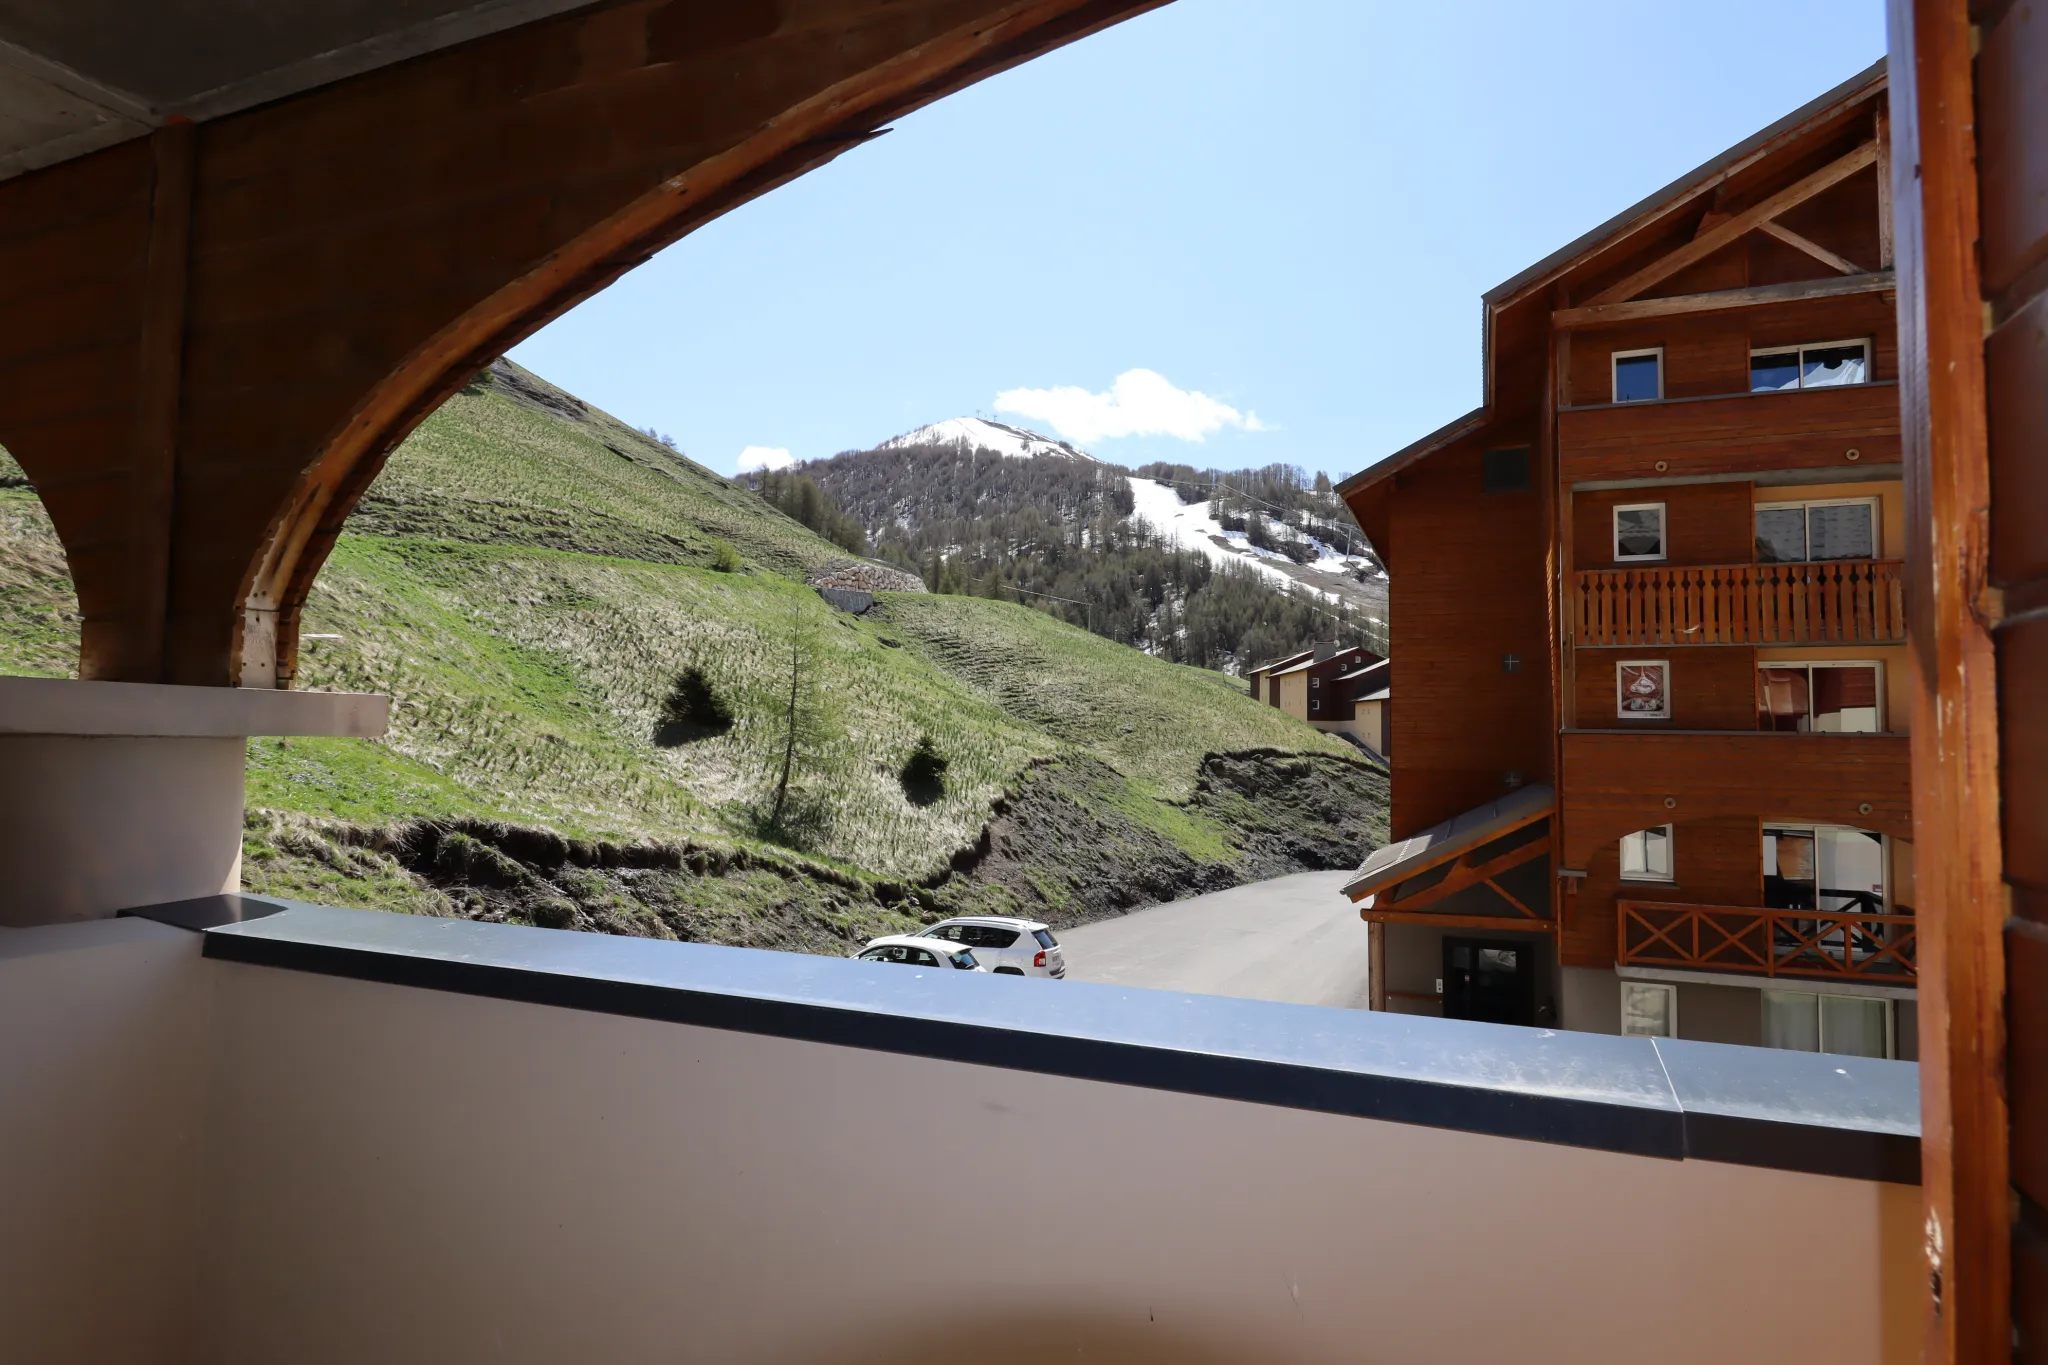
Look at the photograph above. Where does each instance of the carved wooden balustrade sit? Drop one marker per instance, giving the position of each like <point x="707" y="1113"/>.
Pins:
<point x="1828" y="945"/>
<point x="1846" y="601"/>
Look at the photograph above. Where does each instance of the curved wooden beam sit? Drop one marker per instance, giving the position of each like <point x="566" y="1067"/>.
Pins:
<point x="356" y="253"/>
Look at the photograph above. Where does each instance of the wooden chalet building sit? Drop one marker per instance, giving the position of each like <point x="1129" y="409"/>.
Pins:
<point x="1650" y="771"/>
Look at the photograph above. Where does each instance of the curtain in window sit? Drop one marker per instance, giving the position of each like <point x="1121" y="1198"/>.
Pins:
<point x="1792" y="1020"/>
<point x="1841" y="532"/>
<point x="1783" y="700"/>
<point x="1852" y="1026"/>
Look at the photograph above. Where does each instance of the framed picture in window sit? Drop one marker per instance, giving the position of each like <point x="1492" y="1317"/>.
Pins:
<point x="1642" y="689"/>
<point x="1638" y="532"/>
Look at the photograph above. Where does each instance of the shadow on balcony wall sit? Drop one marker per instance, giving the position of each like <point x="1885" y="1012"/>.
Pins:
<point x="1055" y="1335"/>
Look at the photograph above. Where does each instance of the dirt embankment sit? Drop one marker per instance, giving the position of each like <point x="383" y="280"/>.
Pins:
<point x="1065" y="847"/>
<point x="1069" y="854"/>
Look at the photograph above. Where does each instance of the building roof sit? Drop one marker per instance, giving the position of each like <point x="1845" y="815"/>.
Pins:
<point x="1456" y="836"/>
<point x="1693" y="183"/>
<point x="1382" y="695"/>
<point x="1366" y="671"/>
<point x="1285" y="661"/>
<point x="1310" y="661"/>
<point x="1409" y="454"/>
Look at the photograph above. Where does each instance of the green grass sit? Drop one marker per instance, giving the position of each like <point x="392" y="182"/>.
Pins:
<point x="526" y="588"/>
<point x="490" y="469"/>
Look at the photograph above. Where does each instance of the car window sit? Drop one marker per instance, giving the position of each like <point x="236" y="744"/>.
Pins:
<point x="992" y="937"/>
<point x="919" y="957"/>
<point x="964" y="960"/>
<point x="875" y="955"/>
<point x="1045" y="940"/>
<point x="952" y="933"/>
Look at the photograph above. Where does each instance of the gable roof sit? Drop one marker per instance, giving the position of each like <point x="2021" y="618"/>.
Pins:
<point x="1395" y="863"/>
<point x="1285" y="662"/>
<point x="1694" y="182"/>
<point x="1691" y="185"/>
<point x="1309" y="660"/>
<point x="1367" y="671"/>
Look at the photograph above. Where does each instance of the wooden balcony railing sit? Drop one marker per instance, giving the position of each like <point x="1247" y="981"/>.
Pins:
<point x="1811" y="944"/>
<point x="1844" y="601"/>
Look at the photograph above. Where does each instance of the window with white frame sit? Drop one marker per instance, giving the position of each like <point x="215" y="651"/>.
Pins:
<point x="1823" y="364"/>
<point x="1649" y="1009"/>
<point x="1638" y="531"/>
<point x="1815" y="1021"/>
<point x="1639" y="375"/>
<point x="1642" y="689"/>
<point x="1828" y="697"/>
<point x="1646" y="855"/>
<point x="1830" y="528"/>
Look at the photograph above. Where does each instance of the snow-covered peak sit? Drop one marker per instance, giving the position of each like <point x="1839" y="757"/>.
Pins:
<point x="1012" y="442"/>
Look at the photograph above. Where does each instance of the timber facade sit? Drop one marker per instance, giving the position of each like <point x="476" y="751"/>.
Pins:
<point x="1651" y="771"/>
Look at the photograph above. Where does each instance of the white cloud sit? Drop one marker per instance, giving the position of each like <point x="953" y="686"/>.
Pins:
<point x="1139" y="403"/>
<point x="765" y="457"/>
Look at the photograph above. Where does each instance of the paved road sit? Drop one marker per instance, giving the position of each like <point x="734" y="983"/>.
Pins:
<point x="1293" y="938"/>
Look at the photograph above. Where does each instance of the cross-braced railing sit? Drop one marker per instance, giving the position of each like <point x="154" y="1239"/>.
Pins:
<point x="1846" y="601"/>
<point x="1839" y="945"/>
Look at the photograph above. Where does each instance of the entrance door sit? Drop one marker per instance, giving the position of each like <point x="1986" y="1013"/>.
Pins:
<point x="1491" y="980"/>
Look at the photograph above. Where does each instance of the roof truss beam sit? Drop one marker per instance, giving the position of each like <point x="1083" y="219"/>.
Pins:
<point x="1513" y="923"/>
<point x="1811" y="248"/>
<point x="1394" y="877"/>
<point x="1466" y="874"/>
<point x="1747" y="221"/>
<point x="1724" y="300"/>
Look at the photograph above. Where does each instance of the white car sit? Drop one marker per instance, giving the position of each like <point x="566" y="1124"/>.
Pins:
<point x="1007" y="947"/>
<point x="911" y="950"/>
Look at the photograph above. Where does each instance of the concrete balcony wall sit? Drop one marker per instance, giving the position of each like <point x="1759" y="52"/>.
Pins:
<point x="422" y="1168"/>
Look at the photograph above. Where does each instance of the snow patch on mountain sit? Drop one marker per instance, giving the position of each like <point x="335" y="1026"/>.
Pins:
<point x="1193" y="526"/>
<point x="1016" y="443"/>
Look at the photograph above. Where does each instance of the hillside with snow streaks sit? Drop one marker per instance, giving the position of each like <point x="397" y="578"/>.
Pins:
<point x="1193" y="526"/>
<point x="1014" y="443"/>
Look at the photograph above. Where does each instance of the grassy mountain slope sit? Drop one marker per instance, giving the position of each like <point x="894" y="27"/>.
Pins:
<point x="528" y="579"/>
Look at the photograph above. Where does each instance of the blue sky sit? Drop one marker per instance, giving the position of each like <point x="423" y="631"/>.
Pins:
<point x="1229" y="232"/>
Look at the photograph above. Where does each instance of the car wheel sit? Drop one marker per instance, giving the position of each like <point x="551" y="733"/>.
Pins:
<point x="1008" y="971"/>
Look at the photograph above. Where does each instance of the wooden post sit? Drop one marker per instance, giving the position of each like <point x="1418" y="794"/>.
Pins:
<point x="153" y="473"/>
<point x="1962" y="909"/>
<point x="1884" y="188"/>
<point x="1376" y="966"/>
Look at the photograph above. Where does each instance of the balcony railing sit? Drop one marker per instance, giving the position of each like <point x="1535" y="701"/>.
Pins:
<point x="1806" y="944"/>
<point x="1847" y="601"/>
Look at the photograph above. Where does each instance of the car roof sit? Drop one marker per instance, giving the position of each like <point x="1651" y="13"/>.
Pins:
<point x="914" y="941"/>
<point x="1001" y="921"/>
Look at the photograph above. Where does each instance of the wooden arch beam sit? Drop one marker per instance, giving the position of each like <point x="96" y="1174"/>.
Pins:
<point x="357" y="252"/>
